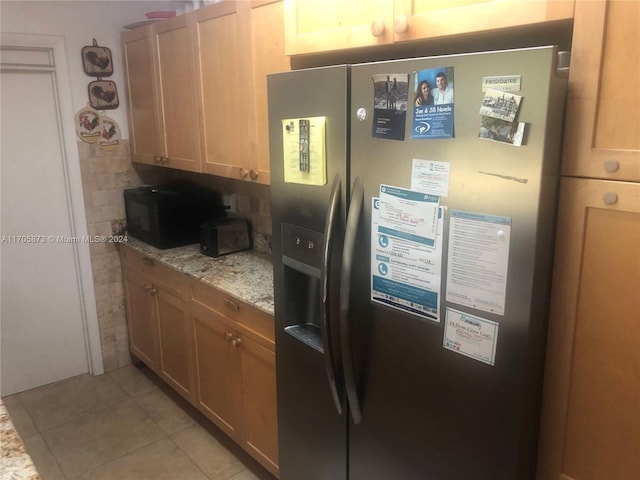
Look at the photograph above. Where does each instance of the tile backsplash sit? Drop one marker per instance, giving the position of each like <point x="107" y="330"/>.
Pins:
<point x="104" y="177"/>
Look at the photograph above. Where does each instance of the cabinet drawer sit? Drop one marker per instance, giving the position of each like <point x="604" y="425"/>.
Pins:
<point x="171" y="280"/>
<point x="254" y="320"/>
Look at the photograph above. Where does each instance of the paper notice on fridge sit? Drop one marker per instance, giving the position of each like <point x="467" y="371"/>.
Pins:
<point x="430" y="177"/>
<point x="409" y="215"/>
<point x="471" y="336"/>
<point x="478" y="260"/>
<point x="303" y="144"/>
<point x="405" y="275"/>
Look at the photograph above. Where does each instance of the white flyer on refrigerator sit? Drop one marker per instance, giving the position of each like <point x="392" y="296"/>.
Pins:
<point x="471" y="336"/>
<point x="478" y="260"/>
<point x="409" y="214"/>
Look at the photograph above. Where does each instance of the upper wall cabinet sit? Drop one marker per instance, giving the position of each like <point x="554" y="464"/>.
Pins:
<point x="159" y="72"/>
<point x="198" y="91"/>
<point x="267" y="47"/>
<point x="337" y="24"/>
<point x="223" y="67"/>
<point x="237" y="45"/>
<point x="602" y="127"/>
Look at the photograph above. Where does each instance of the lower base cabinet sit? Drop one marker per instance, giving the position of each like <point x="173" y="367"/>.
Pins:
<point x="236" y="386"/>
<point x="215" y="351"/>
<point x="590" y="426"/>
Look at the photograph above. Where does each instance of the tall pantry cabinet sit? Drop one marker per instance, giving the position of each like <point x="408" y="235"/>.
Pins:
<point x="590" y="427"/>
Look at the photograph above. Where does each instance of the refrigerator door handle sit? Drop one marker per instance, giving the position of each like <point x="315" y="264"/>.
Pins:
<point x="353" y="218"/>
<point x="332" y="217"/>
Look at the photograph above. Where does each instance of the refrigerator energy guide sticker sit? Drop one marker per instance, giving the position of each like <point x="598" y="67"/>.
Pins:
<point x="405" y="269"/>
<point x="478" y="260"/>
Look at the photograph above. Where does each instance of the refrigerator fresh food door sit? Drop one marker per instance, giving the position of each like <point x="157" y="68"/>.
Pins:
<point x="308" y="113"/>
<point x="423" y="410"/>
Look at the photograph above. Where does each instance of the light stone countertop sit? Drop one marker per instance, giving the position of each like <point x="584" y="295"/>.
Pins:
<point x="15" y="462"/>
<point x="247" y="275"/>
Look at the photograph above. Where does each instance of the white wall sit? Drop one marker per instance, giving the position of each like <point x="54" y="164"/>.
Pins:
<point x="79" y="22"/>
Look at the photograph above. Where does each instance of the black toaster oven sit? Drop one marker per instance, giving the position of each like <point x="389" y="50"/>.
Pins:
<point x="224" y="236"/>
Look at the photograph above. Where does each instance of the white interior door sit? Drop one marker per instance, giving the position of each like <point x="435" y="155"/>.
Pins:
<point x="43" y="330"/>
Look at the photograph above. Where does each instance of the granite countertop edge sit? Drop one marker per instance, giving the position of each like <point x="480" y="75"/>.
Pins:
<point x="15" y="462"/>
<point x="247" y="275"/>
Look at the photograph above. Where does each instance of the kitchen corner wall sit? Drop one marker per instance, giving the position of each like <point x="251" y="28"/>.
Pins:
<point x="104" y="177"/>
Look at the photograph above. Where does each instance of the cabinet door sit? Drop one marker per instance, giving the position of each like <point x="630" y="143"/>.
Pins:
<point x="590" y="427"/>
<point x="175" y="349"/>
<point x="603" y="106"/>
<point x="142" y="318"/>
<point x="422" y="19"/>
<point x="218" y="374"/>
<point x="223" y="69"/>
<point x="144" y="131"/>
<point x="267" y="46"/>
<point x="261" y="418"/>
<point x="175" y="69"/>
<point x="312" y="26"/>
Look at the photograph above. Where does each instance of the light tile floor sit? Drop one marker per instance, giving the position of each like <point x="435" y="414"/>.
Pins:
<point x="124" y="425"/>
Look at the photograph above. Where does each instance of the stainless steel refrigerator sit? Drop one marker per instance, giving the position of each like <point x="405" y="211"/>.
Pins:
<point x="412" y="246"/>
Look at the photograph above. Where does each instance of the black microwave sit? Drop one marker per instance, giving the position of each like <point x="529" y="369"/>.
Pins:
<point x="168" y="216"/>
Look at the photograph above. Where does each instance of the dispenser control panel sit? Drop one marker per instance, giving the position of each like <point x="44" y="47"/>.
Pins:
<point x="302" y="244"/>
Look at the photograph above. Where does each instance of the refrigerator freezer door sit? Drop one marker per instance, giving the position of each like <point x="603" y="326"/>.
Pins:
<point x="429" y="412"/>
<point x="312" y="434"/>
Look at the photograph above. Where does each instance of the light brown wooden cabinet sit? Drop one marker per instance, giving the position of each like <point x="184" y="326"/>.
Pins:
<point x="219" y="373"/>
<point x="313" y="27"/>
<point x="602" y="126"/>
<point x="141" y="313"/>
<point x="160" y="80"/>
<point x="590" y="428"/>
<point x="266" y="20"/>
<point x="158" y="320"/>
<point x="198" y="92"/>
<point x="214" y="350"/>
<point x="222" y="59"/>
<point x="236" y="375"/>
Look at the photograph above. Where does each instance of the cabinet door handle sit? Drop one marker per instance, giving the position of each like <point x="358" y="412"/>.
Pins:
<point x="228" y="336"/>
<point x="253" y="174"/>
<point x="148" y="261"/>
<point x="377" y="27"/>
<point x="231" y="305"/>
<point x="611" y="166"/>
<point x="401" y="24"/>
<point x="236" y="342"/>
<point x="610" y="198"/>
<point x="150" y="289"/>
<point x="243" y="173"/>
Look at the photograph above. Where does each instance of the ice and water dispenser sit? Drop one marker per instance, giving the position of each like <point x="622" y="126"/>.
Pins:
<point x="302" y="259"/>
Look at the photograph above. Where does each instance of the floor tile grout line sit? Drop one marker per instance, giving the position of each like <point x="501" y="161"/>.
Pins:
<point x="96" y="467"/>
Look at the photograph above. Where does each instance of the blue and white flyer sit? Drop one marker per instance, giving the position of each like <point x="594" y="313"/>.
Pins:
<point x="405" y="274"/>
<point x="433" y="103"/>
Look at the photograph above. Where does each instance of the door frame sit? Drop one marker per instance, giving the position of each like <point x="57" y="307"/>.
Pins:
<point x="56" y="46"/>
